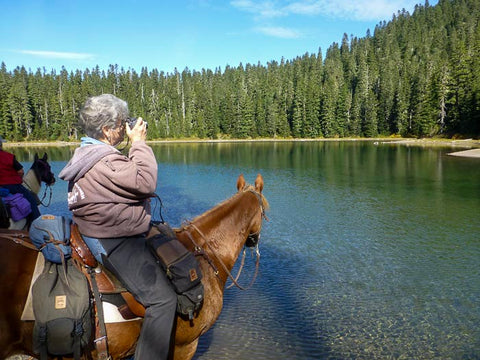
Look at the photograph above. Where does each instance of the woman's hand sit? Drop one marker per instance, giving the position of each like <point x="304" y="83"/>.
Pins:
<point x="139" y="131"/>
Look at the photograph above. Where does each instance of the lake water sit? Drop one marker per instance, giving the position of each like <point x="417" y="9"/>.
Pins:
<point x="371" y="251"/>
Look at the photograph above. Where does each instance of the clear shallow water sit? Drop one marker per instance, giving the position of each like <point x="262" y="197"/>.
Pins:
<point x="370" y="252"/>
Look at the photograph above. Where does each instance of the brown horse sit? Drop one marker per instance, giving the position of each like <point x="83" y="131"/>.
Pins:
<point x="221" y="232"/>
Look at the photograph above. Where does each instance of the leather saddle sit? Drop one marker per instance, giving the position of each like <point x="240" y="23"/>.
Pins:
<point x="108" y="285"/>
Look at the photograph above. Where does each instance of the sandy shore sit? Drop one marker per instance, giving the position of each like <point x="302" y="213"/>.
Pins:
<point x="472" y="146"/>
<point x="467" y="143"/>
<point x="475" y="153"/>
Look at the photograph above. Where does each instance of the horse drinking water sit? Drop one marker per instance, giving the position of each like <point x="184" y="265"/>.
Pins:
<point x="220" y="233"/>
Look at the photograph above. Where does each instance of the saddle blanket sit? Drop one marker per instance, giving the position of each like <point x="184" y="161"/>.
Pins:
<point x="110" y="311"/>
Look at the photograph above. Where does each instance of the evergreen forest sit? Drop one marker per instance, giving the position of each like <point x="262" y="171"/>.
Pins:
<point x="416" y="75"/>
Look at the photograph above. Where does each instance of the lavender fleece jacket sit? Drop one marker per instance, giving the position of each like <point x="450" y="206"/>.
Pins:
<point x="108" y="191"/>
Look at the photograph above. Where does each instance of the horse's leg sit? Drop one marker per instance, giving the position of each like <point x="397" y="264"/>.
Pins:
<point x="185" y="351"/>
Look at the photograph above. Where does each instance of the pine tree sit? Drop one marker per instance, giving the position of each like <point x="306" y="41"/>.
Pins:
<point x="417" y="75"/>
<point x="5" y="84"/>
<point x="21" y="125"/>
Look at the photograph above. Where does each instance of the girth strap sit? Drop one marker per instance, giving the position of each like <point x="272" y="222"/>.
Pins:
<point x="87" y="264"/>
<point x="101" y="342"/>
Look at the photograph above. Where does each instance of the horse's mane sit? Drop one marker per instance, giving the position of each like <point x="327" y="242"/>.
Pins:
<point x="247" y="188"/>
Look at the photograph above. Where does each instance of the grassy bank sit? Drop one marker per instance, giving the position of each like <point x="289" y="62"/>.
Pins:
<point x="464" y="143"/>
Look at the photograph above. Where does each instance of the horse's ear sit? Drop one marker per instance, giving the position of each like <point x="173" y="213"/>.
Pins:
<point x="36" y="157"/>
<point x="45" y="157"/>
<point x="240" y="182"/>
<point x="259" y="183"/>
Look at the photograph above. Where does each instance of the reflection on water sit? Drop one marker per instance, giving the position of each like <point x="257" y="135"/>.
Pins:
<point x="371" y="251"/>
<point x="27" y="154"/>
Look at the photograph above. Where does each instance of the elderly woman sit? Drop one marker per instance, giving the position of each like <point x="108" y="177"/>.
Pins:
<point x="109" y="199"/>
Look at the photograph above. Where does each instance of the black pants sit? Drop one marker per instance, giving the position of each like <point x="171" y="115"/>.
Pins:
<point x="134" y="264"/>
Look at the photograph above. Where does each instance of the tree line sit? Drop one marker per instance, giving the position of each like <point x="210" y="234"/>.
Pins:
<point x="417" y="75"/>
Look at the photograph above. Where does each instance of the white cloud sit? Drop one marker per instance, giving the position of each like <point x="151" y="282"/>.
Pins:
<point x="344" y="9"/>
<point x="351" y="9"/>
<point x="266" y="12"/>
<point x="263" y="9"/>
<point x="279" y="32"/>
<point x="308" y="7"/>
<point x="58" y="55"/>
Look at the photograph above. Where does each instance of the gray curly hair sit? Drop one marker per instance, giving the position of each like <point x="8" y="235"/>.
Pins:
<point x="102" y="110"/>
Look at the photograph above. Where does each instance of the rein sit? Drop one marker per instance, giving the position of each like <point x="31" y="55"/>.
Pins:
<point x="199" y="250"/>
<point x="49" y="187"/>
<point x="257" y="265"/>
<point x="40" y="201"/>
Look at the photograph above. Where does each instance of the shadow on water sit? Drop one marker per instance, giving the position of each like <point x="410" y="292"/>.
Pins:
<point x="273" y="319"/>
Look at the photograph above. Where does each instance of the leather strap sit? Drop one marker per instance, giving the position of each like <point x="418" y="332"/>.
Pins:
<point x="20" y="237"/>
<point x="101" y="343"/>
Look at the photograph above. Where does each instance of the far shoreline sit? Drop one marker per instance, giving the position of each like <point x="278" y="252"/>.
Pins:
<point x="428" y="142"/>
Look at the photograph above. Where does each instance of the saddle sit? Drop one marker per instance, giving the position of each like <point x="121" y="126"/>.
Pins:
<point x="101" y="281"/>
<point x="107" y="284"/>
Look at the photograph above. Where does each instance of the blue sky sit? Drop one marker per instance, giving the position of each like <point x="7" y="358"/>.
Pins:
<point x="180" y="33"/>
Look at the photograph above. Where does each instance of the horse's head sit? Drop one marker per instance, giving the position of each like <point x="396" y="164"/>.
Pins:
<point x="256" y="225"/>
<point x="42" y="170"/>
<point x="222" y="232"/>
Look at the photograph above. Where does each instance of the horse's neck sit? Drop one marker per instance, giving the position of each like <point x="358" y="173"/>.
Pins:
<point x="31" y="182"/>
<point x="224" y="228"/>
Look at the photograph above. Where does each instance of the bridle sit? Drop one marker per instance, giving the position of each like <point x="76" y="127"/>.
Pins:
<point x="199" y="251"/>
<point x="48" y="186"/>
<point x="257" y="263"/>
<point x="252" y="238"/>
